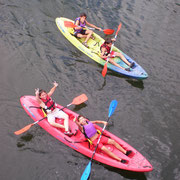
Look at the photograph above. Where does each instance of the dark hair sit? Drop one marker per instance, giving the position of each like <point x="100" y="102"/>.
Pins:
<point x="41" y="91"/>
<point x="80" y="117"/>
<point x="108" y="40"/>
<point x="83" y="14"/>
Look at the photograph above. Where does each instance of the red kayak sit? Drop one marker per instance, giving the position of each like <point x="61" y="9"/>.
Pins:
<point x="78" y="142"/>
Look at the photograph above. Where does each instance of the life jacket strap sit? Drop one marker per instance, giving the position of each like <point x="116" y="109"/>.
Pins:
<point x="90" y="142"/>
<point x="44" y="112"/>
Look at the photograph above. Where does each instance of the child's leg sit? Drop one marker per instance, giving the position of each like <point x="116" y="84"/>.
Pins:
<point x="110" y="153"/>
<point x="51" y="120"/>
<point x="63" y="115"/>
<point x="113" y="142"/>
<point x="123" y="58"/>
<point x="114" y="63"/>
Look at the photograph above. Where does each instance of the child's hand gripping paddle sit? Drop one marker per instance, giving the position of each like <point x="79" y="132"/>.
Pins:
<point x="104" y="71"/>
<point x="72" y="25"/>
<point x="87" y="171"/>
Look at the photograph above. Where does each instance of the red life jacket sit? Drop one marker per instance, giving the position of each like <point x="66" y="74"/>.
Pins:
<point x="49" y="103"/>
<point x="108" y="49"/>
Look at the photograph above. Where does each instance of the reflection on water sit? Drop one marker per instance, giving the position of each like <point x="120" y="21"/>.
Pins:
<point x="27" y="137"/>
<point x="128" y="174"/>
<point x="23" y="139"/>
<point x="79" y="107"/>
<point x="136" y="83"/>
<point x="103" y="85"/>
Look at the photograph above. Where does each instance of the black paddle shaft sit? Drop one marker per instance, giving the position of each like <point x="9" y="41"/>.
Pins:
<point x="99" y="140"/>
<point x="46" y="117"/>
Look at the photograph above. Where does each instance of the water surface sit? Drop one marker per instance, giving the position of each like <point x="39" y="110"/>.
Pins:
<point x="34" y="54"/>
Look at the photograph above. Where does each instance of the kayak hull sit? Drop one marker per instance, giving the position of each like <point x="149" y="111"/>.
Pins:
<point x="137" y="72"/>
<point x="79" y="143"/>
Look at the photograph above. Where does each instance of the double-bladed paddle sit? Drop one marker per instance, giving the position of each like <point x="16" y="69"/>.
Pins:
<point x="76" y="101"/>
<point x="72" y="25"/>
<point x="104" y="71"/>
<point x="87" y="171"/>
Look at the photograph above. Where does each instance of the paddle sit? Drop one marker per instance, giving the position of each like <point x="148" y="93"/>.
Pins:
<point x="87" y="171"/>
<point x="72" y="25"/>
<point x="76" y="101"/>
<point x="104" y="71"/>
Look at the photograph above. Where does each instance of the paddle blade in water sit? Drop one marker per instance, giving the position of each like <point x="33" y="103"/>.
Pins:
<point x="80" y="99"/>
<point x="86" y="172"/>
<point x="23" y="129"/>
<point x="108" y="31"/>
<point x="112" y="107"/>
<point x="104" y="71"/>
<point x="69" y="24"/>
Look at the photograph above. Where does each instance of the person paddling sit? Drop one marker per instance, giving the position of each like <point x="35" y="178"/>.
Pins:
<point x="45" y="101"/>
<point x="105" y="54"/>
<point x="80" y="32"/>
<point x="91" y="133"/>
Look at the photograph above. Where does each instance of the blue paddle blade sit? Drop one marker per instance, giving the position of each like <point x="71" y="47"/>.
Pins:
<point x="112" y="107"/>
<point x="86" y="172"/>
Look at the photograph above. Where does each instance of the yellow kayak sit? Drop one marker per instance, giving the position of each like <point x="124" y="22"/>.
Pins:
<point x="93" y="51"/>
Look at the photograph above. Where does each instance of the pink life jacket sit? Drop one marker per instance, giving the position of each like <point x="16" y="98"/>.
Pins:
<point x="49" y="103"/>
<point x="89" y="129"/>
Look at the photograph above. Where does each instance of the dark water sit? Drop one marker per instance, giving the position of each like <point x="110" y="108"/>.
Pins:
<point x="33" y="53"/>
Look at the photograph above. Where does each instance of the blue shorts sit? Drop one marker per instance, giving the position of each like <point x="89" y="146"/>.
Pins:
<point x="83" y="32"/>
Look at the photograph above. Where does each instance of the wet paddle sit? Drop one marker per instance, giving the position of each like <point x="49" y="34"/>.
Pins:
<point x="76" y="101"/>
<point x="87" y="171"/>
<point x="104" y="71"/>
<point x="72" y="25"/>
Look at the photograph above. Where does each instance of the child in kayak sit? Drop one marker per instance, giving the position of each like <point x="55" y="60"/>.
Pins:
<point x="45" y="101"/>
<point x="91" y="133"/>
<point x="105" y="54"/>
<point x="80" y="32"/>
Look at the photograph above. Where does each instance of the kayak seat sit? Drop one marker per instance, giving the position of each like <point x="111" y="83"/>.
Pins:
<point x="41" y="110"/>
<point x="71" y="31"/>
<point x="96" y="48"/>
<point x="97" y="43"/>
